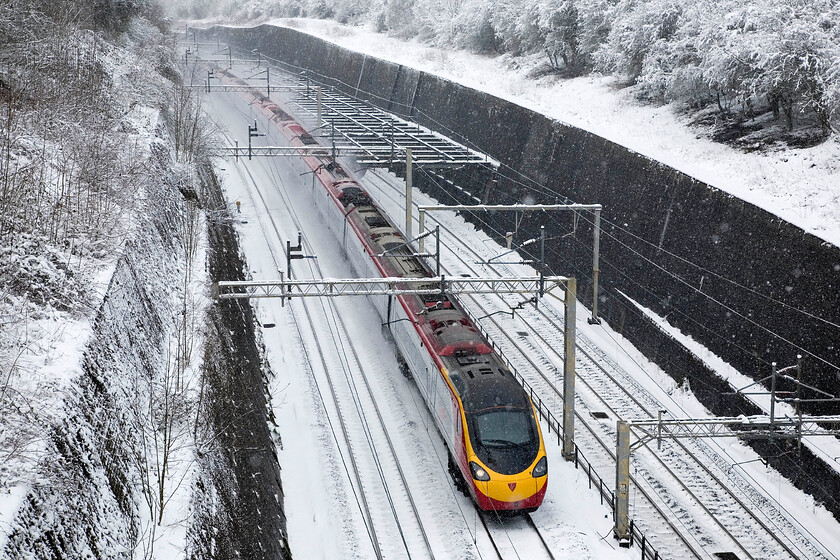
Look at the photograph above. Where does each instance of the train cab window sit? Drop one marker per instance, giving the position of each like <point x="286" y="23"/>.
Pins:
<point x="504" y="428"/>
<point x="458" y="382"/>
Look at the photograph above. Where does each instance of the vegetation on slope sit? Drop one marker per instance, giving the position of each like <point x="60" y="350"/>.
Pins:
<point x="96" y="432"/>
<point x="754" y="72"/>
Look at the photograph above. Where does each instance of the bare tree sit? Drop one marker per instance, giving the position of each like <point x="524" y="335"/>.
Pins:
<point x="192" y="130"/>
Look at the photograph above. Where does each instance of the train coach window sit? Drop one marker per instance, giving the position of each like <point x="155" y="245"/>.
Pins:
<point x="377" y="222"/>
<point x="307" y="139"/>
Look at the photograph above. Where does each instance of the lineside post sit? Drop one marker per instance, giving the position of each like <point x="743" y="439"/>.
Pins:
<point x="422" y="241"/>
<point x="773" y="402"/>
<point x="318" y="96"/>
<point x="798" y="408"/>
<point x="332" y="135"/>
<point x="437" y="250"/>
<point x="569" y="371"/>
<point x="542" y="261"/>
<point x="409" y="176"/>
<point x="251" y="134"/>
<point x="622" y="484"/>
<point x="596" y="246"/>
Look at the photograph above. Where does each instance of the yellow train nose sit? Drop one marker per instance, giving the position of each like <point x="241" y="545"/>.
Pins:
<point x="513" y="490"/>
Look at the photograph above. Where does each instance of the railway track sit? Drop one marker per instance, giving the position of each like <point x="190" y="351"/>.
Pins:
<point x="507" y="550"/>
<point x="511" y="535"/>
<point x="723" y="511"/>
<point x="379" y="483"/>
<point x="362" y="433"/>
<point x="733" y="515"/>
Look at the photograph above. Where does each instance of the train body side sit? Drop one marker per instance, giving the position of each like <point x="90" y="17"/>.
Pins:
<point x="362" y="231"/>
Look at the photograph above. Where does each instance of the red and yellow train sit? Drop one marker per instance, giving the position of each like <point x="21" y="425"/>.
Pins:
<point x="486" y="418"/>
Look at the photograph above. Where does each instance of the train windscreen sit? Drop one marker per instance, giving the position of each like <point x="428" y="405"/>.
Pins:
<point x="504" y="428"/>
<point x="505" y="439"/>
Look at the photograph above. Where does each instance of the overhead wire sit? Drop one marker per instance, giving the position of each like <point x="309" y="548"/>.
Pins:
<point x="336" y="327"/>
<point x="699" y="267"/>
<point x="603" y="260"/>
<point x="438" y="220"/>
<point x="815" y="482"/>
<point x="681" y="280"/>
<point x="334" y="321"/>
<point x="332" y="427"/>
<point x="534" y="186"/>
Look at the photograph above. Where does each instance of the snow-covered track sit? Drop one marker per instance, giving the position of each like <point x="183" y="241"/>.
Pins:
<point x="743" y="520"/>
<point x="510" y="536"/>
<point x="372" y="463"/>
<point x="710" y="515"/>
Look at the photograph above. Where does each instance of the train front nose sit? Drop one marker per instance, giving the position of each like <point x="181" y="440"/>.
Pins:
<point x="511" y="493"/>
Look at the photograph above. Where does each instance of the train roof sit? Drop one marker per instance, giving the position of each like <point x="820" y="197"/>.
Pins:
<point x="485" y="385"/>
<point x="481" y="379"/>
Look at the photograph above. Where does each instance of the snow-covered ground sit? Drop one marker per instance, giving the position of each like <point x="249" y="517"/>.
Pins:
<point x="320" y="515"/>
<point x="800" y="185"/>
<point x="50" y="348"/>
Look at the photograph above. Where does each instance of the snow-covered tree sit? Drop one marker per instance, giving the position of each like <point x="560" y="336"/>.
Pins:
<point x="559" y="21"/>
<point x="743" y="57"/>
<point x="639" y="28"/>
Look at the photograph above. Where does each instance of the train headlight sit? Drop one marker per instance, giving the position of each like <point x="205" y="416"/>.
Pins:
<point x="478" y="473"/>
<point x="541" y="469"/>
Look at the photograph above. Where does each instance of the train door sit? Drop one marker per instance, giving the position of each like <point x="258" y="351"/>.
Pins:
<point x="432" y="390"/>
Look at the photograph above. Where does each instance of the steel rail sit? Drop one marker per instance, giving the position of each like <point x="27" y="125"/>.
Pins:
<point x="366" y="510"/>
<point x="665" y="517"/>
<point x="529" y="520"/>
<point x="490" y="536"/>
<point x="582" y="340"/>
<point x="338" y="407"/>
<point x="407" y="490"/>
<point x="381" y="423"/>
<point x="583" y="421"/>
<point x="515" y="535"/>
<point x="724" y="486"/>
